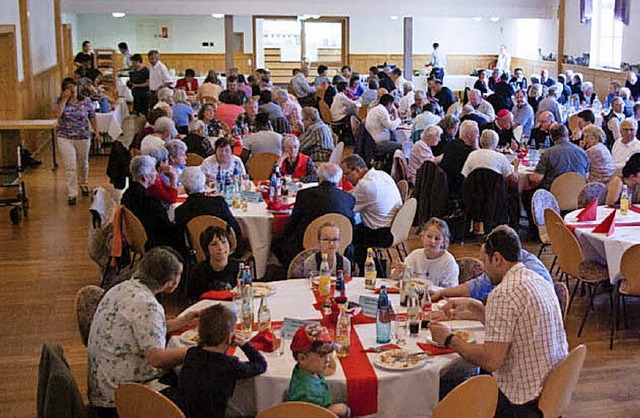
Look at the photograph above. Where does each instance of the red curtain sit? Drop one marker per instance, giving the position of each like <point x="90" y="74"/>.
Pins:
<point x="586" y="10"/>
<point x="621" y="11"/>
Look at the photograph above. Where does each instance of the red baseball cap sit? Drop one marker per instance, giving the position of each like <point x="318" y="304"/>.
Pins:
<point x="310" y="337"/>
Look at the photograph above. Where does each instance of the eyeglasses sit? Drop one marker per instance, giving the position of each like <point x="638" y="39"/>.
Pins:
<point x="330" y="239"/>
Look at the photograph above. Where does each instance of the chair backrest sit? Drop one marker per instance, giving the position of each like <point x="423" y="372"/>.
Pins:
<point x="260" y="166"/>
<point x="403" y="188"/>
<point x="296" y="267"/>
<point x="566" y="187"/>
<point x="630" y="270"/>
<point x="325" y="112"/>
<point x="197" y="225"/>
<point x="476" y="397"/>
<point x="362" y="112"/>
<point x="87" y="300"/>
<point x="194" y="159"/>
<point x="225" y="128"/>
<point x="399" y="166"/>
<point x="517" y="133"/>
<point x="133" y="232"/>
<point x="564" y="244"/>
<point x="401" y="224"/>
<point x="336" y="154"/>
<point x="291" y="90"/>
<point x="310" y="240"/>
<point x="296" y="410"/>
<point x="320" y="92"/>
<point x="572" y="123"/>
<point x="562" y="292"/>
<point x="470" y="268"/>
<point x="134" y="400"/>
<point x="542" y="199"/>
<point x="556" y="392"/>
<point x="590" y="192"/>
<point x="209" y="99"/>
<point x="355" y="124"/>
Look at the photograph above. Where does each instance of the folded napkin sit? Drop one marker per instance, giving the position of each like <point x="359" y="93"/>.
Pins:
<point x="608" y="226"/>
<point x="265" y="341"/>
<point x="381" y="348"/>
<point x="590" y="213"/>
<point x="277" y="206"/>
<point x="217" y="295"/>
<point x="181" y="198"/>
<point x="634" y="208"/>
<point x="265" y="194"/>
<point x="435" y="351"/>
<point x="389" y="290"/>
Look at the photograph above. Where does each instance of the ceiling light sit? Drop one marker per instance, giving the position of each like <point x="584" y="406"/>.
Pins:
<point x="494" y="19"/>
<point x="217" y="15"/>
<point x="118" y="14"/>
<point x="393" y="17"/>
<point x="476" y="19"/>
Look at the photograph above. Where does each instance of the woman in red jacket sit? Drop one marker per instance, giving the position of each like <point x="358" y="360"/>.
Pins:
<point x="295" y="164"/>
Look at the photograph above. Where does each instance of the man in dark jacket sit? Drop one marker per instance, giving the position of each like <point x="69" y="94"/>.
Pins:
<point x="457" y="153"/>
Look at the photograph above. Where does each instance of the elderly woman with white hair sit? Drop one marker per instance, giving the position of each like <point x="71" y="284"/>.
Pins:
<point x="163" y="131"/>
<point x="290" y="109"/>
<point x="148" y="208"/>
<point x="165" y="186"/>
<point x="177" y="154"/>
<point x="182" y="111"/>
<point x="197" y="141"/>
<point x="165" y="100"/>
<point x="588" y="94"/>
<point x="294" y="163"/>
<point x="601" y="164"/>
<point x="421" y="151"/>
<point x="487" y="157"/>
<point x="316" y="141"/>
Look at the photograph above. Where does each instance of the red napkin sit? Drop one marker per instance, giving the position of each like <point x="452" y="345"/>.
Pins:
<point x="382" y="348"/>
<point x="265" y="341"/>
<point x="435" y="351"/>
<point x="608" y="226"/>
<point x="265" y="194"/>
<point x="389" y="290"/>
<point x="634" y="208"/>
<point x="181" y="198"/>
<point x="217" y="295"/>
<point x="277" y="206"/>
<point x="590" y="213"/>
<point x="345" y="185"/>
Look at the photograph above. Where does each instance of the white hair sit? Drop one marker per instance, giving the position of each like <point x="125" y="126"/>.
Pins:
<point x="466" y="127"/>
<point x="175" y="145"/>
<point x="329" y="173"/>
<point x="432" y="131"/>
<point x="632" y="121"/>
<point x="407" y="85"/>
<point x="289" y="140"/>
<point x="586" y="85"/>
<point x="553" y="91"/>
<point x="196" y="125"/>
<point x="489" y="139"/>
<point x="160" y="154"/>
<point x="141" y="165"/>
<point x="164" y="125"/>
<point x="193" y="179"/>
<point x="179" y="96"/>
<point x="625" y="93"/>
<point x="164" y="93"/>
<point x="280" y="94"/>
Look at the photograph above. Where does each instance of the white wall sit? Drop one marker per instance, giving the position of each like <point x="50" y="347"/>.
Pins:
<point x="630" y="44"/>
<point x="42" y="35"/>
<point x="523" y="37"/>
<point x="10" y="15"/>
<point x="577" y="36"/>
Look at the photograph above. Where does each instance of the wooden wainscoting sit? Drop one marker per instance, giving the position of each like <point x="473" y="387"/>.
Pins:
<point x="9" y="88"/>
<point x="202" y="63"/>
<point x="456" y="63"/>
<point x="46" y="88"/>
<point x="533" y="67"/>
<point x="599" y="77"/>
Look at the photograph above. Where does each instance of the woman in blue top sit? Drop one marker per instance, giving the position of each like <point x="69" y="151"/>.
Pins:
<point x="182" y="111"/>
<point x="74" y="113"/>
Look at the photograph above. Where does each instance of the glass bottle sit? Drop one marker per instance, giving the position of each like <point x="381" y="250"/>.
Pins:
<point x="324" y="281"/>
<point x="405" y="280"/>
<point x="624" y="200"/>
<point x="413" y="311"/>
<point x="383" y="317"/>
<point x="274" y="188"/>
<point x="340" y="292"/>
<point x="247" y="312"/>
<point x="264" y="315"/>
<point x="343" y="332"/>
<point x="370" y="273"/>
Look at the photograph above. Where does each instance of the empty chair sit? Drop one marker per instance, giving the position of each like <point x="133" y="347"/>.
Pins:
<point x="134" y="400"/>
<point x="565" y="188"/>
<point x="259" y="166"/>
<point x="296" y="410"/>
<point x="470" y="268"/>
<point x="193" y="159"/>
<point x="325" y="112"/>
<point x="87" y="299"/>
<point x="543" y="199"/>
<point x="400" y="228"/>
<point x="133" y="233"/>
<point x="590" y="192"/>
<point x="629" y="285"/>
<point x="296" y="267"/>
<point x="310" y="240"/>
<point x="556" y="392"/>
<point x="336" y="154"/>
<point x="474" y="398"/>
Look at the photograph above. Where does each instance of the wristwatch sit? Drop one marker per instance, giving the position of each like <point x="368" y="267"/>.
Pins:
<point x="447" y="340"/>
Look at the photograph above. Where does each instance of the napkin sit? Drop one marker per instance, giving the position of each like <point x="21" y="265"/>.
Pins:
<point x="634" y="208"/>
<point x="181" y="198"/>
<point x="265" y="341"/>
<point x="608" y="226"/>
<point x="435" y="351"/>
<point x="589" y="213"/>
<point x="217" y="295"/>
<point x="389" y="290"/>
<point x="381" y="348"/>
<point x="277" y="206"/>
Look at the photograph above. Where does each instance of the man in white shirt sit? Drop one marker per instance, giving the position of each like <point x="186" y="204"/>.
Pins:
<point x="481" y="107"/>
<point x="163" y="129"/>
<point x="524" y="332"/>
<point x="305" y="92"/>
<point x="342" y="107"/>
<point x="627" y="144"/>
<point x="408" y="99"/>
<point x="438" y="62"/>
<point x="381" y="121"/>
<point x="158" y="73"/>
<point x="264" y="139"/>
<point x="398" y="79"/>
<point x="377" y="201"/>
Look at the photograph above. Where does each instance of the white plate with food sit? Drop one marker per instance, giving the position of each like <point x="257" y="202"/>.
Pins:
<point x="399" y="360"/>
<point x="262" y="289"/>
<point x="190" y="337"/>
<point x="465" y="335"/>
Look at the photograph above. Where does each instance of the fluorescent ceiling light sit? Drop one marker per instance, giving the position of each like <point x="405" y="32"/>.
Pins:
<point x="476" y="19"/>
<point x="217" y="15"/>
<point x="393" y="17"/>
<point x="118" y="14"/>
<point x="494" y="19"/>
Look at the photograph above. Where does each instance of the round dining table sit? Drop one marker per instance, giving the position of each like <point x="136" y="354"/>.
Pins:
<point x="406" y="393"/>
<point x="602" y="248"/>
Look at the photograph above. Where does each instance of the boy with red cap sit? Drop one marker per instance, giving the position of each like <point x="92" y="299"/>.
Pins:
<point x="312" y="347"/>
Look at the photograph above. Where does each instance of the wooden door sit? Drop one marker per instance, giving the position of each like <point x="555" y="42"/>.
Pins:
<point x="9" y="99"/>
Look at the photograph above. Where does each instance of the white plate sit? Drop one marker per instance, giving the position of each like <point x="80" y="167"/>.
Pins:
<point x="189" y="337"/>
<point x="262" y="289"/>
<point x="396" y="366"/>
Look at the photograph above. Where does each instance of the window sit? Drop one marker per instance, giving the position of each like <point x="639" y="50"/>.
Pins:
<point x="606" y="36"/>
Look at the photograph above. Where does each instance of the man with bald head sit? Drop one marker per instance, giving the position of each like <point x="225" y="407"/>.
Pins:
<point x="627" y="144"/>
<point x="457" y="152"/>
<point x="481" y="107"/>
<point x="540" y="135"/>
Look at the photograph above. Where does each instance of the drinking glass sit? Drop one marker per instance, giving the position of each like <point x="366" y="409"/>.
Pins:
<point x="399" y="329"/>
<point x="312" y="275"/>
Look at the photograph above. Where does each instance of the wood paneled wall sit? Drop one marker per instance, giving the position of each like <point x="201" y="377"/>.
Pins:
<point x="456" y="63"/>
<point x="599" y="78"/>
<point x="533" y="67"/>
<point x="202" y="63"/>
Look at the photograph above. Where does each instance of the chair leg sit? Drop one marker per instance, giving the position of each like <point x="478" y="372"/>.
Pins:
<point x="400" y="256"/>
<point x="614" y="317"/>
<point x="624" y="311"/>
<point x="553" y="263"/>
<point x="573" y="295"/>
<point x="404" y="248"/>
<point x="590" y="294"/>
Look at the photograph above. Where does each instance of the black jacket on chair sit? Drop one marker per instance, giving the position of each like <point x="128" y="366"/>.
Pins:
<point x="431" y="191"/>
<point x="485" y="195"/>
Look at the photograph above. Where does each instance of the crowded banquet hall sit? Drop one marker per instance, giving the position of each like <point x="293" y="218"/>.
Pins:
<point x="325" y="209"/>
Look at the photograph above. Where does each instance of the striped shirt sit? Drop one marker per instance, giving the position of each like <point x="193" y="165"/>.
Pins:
<point x="601" y="166"/>
<point x="523" y="310"/>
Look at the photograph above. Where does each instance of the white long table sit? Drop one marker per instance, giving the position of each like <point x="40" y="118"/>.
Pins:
<point x="411" y="393"/>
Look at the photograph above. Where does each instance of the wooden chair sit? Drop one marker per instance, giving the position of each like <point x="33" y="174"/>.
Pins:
<point x="335" y="138"/>
<point x="133" y="233"/>
<point x="572" y="263"/>
<point x="86" y="302"/>
<point x="336" y="154"/>
<point x="355" y="124"/>
<point x="562" y="292"/>
<point x="403" y="188"/>
<point x="572" y="123"/>
<point x="197" y="225"/>
<point x="225" y="128"/>
<point x="325" y="112"/>
<point x="135" y="152"/>
<point x="290" y="90"/>
<point x="590" y="192"/>
<point x="470" y="268"/>
<point x="296" y="410"/>
<point x="400" y="228"/>
<point x="296" y="267"/>
<point x="629" y="285"/>
<point x="476" y="397"/>
<point x="565" y="188"/>
<point x="209" y="99"/>
<point x="614" y="190"/>
<point x="134" y="400"/>
<point x="362" y="112"/>
<point x="555" y="397"/>
<point x="260" y="166"/>
<point x="541" y="200"/>
<point x="310" y="240"/>
<point x="320" y="93"/>
<point x="194" y="159"/>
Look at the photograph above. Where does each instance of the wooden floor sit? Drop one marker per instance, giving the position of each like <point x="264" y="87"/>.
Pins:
<point x="44" y="261"/>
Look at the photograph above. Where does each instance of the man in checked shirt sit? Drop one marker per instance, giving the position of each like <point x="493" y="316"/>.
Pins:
<point x="524" y="332"/>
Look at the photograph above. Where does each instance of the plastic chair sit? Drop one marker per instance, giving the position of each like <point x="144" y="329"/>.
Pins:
<point x="400" y="228"/>
<point x="541" y="200"/>
<point x="476" y="397"/>
<point x="565" y="188"/>
<point x="310" y="240"/>
<point x="470" y="268"/>
<point x="260" y="166"/>
<point x="197" y="225"/>
<point x="325" y="112"/>
<point x="87" y="300"/>
<point x="133" y="233"/>
<point x="628" y="286"/>
<point x="403" y="188"/>
<point x="194" y="159"/>
<point x="555" y="397"/>
<point x="296" y="410"/>
<point x="134" y="400"/>
<point x="590" y="192"/>
<point x="336" y="154"/>
<point x="296" y="267"/>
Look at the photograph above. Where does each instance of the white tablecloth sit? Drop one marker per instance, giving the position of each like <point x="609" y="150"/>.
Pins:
<point x="111" y="123"/>
<point x="607" y="250"/>
<point x="454" y="82"/>
<point x="414" y="392"/>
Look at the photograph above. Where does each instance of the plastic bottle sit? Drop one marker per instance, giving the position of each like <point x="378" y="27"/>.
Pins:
<point x="264" y="315"/>
<point x="624" y="201"/>
<point x="340" y="292"/>
<point x="370" y="273"/>
<point x="219" y="182"/>
<point x="246" y="276"/>
<point x="383" y="318"/>
<point x="343" y="332"/>
<point x="274" y="188"/>
<point x="324" y="281"/>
